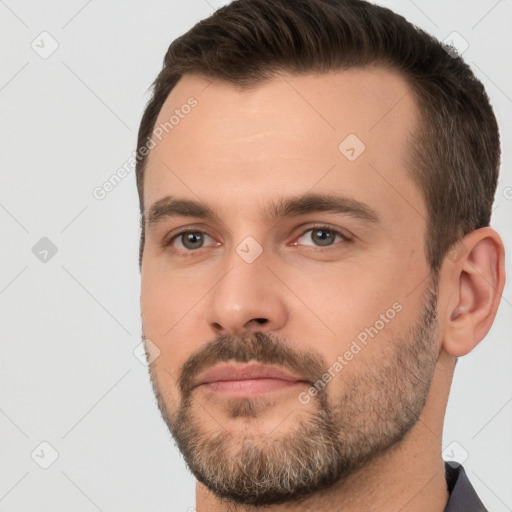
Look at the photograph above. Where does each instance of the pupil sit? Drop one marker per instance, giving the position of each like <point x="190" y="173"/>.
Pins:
<point x="193" y="240"/>
<point x="324" y="237"/>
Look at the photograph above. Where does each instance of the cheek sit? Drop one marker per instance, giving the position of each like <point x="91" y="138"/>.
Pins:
<point x="172" y="318"/>
<point x="346" y="300"/>
<point x="164" y="300"/>
<point x="349" y="314"/>
<point x="161" y="311"/>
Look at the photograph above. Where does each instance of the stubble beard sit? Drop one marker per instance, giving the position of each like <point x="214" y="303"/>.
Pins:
<point x="328" y="441"/>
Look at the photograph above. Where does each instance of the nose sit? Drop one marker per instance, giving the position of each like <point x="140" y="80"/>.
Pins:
<point x="247" y="298"/>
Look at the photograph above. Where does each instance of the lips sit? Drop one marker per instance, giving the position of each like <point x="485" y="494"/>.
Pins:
<point x="245" y="372"/>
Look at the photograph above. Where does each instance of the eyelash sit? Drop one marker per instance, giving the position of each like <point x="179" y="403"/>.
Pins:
<point x="319" y="227"/>
<point x="322" y="227"/>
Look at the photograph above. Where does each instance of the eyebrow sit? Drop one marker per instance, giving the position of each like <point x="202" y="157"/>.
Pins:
<point x="170" y="206"/>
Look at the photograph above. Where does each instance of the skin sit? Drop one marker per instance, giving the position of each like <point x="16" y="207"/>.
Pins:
<point x="236" y="151"/>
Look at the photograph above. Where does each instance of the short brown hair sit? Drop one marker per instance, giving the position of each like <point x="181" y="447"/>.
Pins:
<point x="455" y="155"/>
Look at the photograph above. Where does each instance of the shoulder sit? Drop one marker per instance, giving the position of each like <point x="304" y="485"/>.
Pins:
<point x="463" y="497"/>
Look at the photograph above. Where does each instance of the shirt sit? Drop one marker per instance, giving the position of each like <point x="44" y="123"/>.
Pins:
<point x="463" y="497"/>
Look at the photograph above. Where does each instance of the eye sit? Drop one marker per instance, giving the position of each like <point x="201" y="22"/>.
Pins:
<point x="321" y="236"/>
<point x="189" y="240"/>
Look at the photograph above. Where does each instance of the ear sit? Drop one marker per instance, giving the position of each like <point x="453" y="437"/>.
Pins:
<point x="476" y="274"/>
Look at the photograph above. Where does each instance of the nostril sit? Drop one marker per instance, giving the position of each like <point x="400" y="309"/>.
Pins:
<point x="261" y="320"/>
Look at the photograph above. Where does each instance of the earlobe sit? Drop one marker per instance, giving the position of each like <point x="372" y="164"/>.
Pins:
<point x="477" y="279"/>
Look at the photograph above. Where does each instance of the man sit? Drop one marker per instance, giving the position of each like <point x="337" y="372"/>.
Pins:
<point x="315" y="180"/>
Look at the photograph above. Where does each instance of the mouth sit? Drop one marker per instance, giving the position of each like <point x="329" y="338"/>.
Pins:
<point x="247" y="379"/>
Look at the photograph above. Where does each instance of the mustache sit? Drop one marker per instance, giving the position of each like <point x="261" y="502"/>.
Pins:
<point x="258" y="347"/>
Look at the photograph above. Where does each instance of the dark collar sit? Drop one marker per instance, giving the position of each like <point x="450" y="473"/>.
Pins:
<point x="463" y="497"/>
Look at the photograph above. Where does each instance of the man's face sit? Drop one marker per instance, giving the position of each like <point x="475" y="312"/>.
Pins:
<point x="336" y="296"/>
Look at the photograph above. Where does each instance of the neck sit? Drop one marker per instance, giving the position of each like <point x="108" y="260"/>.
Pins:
<point x="409" y="476"/>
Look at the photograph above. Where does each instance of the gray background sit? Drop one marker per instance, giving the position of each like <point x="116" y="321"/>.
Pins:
<point x="70" y="323"/>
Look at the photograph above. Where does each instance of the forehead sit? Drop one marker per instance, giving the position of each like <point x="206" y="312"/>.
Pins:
<point x="347" y="131"/>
